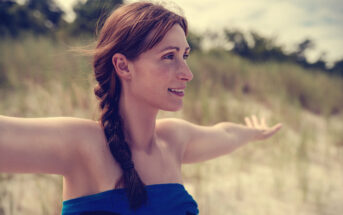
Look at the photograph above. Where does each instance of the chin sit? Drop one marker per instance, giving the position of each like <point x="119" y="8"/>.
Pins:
<point x="173" y="108"/>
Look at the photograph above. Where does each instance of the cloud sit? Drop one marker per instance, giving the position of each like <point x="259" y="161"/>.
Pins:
<point x="290" y="21"/>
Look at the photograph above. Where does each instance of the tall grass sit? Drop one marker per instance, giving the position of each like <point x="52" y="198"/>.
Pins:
<point x="299" y="171"/>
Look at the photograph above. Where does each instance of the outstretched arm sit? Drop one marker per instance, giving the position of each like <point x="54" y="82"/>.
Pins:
<point x="201" y="143"/>
<point x="41" y="145"/>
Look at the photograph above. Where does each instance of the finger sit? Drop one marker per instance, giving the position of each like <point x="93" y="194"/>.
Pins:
<point x="277" y="127"/>
<point x="273" y="130"/>
<point x="248" y="122"/>
<point x="255" y="121"/>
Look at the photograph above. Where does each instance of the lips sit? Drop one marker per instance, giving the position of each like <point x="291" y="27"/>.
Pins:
<point x="177" y="88"/>
<point x="177" y="91"/>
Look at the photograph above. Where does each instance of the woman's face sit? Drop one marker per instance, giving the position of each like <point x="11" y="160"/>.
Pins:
<point x="160" y="75"/>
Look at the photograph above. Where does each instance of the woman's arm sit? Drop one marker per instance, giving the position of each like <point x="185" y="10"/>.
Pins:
<point x="201" y="143"/>
<point x="41" y="145"/>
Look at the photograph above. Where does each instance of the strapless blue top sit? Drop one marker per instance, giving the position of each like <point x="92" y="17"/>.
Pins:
<point x="166" y="199"/>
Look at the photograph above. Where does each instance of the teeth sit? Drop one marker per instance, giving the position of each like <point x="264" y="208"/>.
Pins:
<point x="176" y="90"/>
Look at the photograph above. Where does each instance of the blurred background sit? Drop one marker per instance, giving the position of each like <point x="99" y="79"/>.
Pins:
<point x="282" y="60"/>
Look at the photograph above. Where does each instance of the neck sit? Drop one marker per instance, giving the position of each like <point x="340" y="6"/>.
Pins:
<point x="139" y="123"/>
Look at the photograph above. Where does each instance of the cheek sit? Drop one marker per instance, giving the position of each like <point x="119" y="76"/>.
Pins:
<point x="151" y="79"/>
<point x="166" y="70"/>
<point x="159" y="74"/>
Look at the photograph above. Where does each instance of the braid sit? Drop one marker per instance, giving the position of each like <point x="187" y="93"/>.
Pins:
<point x="113" y="128"/>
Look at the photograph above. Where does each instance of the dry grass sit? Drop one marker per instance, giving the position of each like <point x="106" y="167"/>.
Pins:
<point x="299" y="171"/>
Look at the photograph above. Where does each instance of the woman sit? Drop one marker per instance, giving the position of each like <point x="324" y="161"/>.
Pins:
<point x="128" y="162"/>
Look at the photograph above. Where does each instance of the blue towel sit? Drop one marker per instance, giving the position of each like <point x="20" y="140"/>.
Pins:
<point x="166" y="199"/>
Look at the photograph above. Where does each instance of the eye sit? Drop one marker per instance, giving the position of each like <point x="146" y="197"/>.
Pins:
<point x="185" y="56"/>
<point x="169" y="56"/>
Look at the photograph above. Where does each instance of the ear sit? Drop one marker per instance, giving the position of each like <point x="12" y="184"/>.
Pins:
<point x="120" y="64"/>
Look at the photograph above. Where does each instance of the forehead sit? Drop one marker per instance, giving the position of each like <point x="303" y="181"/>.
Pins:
<point x="174" y="37"/>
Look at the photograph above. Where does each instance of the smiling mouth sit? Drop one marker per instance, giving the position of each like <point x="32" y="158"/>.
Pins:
<point x="178" y="92"/>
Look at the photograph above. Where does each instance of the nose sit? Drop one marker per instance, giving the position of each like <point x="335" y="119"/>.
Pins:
<point x="185" y="73"/>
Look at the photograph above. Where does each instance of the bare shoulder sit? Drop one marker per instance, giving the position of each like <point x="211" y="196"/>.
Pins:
<point x="90" y="129"/>
<point x="86" y="135"/>
<point x="194" y="143"/>
<point x="173" y="127"/>
<point x="83" y="130"/>
<point x="90" y="142"/>
<point x="46" y="145"/>
<point x="90" y="133"/>
<point x="176" y="132"/>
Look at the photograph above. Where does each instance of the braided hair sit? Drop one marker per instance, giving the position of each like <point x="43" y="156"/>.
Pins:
<point x="126" y="31"/>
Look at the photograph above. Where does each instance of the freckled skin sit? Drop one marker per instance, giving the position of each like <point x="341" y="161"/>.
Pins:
<point x="155" y="71"/>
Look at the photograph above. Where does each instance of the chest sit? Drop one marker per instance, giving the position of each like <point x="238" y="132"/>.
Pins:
<point x="162" y="166"/>
<point x="101" y="171"/>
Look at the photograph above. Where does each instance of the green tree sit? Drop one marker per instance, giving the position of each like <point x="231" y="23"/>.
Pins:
<point x="337" y="69"/>
<point x="264" y="48"/>
<point x="240" y="44"/>
<point x="48" y="10"/>
<point x="88" y="13"/>
<point x="194" y="41"/>
<point x="37" y="16"/>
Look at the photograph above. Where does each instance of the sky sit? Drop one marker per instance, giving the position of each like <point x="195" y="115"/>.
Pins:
<point x="288" y="21"/>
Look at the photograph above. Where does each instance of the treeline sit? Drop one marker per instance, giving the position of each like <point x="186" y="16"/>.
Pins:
<point x="258" y="48"/>
<point x="45" y="17"/>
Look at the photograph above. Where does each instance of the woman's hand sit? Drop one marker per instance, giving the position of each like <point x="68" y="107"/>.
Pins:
<point x="261" y="130"/>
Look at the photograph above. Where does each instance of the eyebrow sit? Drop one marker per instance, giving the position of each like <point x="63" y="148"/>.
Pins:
<point x="174" y="47"/>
